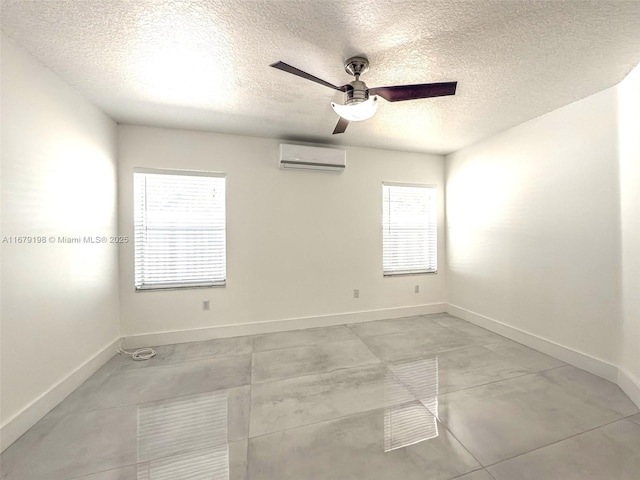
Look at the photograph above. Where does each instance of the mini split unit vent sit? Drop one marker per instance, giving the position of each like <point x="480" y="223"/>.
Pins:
<point x="303" y="157"/>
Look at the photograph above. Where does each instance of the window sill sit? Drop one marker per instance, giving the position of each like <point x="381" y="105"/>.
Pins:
<point x="178" y="287"/>
<point x="407" y="274"/>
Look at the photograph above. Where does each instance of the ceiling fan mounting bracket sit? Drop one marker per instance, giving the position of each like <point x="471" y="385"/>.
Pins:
<point x="356" y="66"/>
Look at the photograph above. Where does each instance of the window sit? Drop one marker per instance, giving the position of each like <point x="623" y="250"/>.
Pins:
<point x="409" y="229"/>
<point x="180" y="229"/>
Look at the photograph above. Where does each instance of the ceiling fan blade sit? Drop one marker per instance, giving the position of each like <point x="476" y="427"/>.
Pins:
<point x="341" y="126"/>
<point x="285" y="67"/>
<point x="414" y="92"/>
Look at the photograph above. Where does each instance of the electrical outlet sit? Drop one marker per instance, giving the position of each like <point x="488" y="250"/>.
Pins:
<point x="356" y="293"/>
<point x="206" y="305"/>
<point x="416" y="289"/>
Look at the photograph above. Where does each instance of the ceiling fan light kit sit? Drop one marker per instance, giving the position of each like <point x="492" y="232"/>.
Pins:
<point x="361" y="102"/>
<point x="357" y="111"/>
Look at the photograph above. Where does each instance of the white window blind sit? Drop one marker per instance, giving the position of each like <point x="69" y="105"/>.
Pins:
<point x="180" y="229"/>
<point x="409" y="226"/>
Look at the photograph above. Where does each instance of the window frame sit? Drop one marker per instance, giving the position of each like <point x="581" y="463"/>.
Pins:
<point x="434" y="215"/>
<point x="186" y="285"/>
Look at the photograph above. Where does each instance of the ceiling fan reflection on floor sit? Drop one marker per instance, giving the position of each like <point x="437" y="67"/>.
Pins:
<point x="361" y="102"/>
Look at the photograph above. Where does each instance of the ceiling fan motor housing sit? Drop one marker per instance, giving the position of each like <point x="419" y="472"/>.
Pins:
<point x="358" y="93"/>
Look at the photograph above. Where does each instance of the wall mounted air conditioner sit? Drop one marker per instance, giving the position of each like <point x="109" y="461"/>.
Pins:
<point x="304" y="157"/>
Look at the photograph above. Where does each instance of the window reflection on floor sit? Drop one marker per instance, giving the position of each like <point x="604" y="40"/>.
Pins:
<point x="184" y="439"/>
<point x="410" y="423"/>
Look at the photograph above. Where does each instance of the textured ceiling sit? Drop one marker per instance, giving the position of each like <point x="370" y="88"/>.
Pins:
<point x="205" y="64"/>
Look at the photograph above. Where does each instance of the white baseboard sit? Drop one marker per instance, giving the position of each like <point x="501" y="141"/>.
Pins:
<point x="573" y="357"/>
<point x="255" y="328"/>
<point x="17" y="425"/>
<point x="629" y="385"/>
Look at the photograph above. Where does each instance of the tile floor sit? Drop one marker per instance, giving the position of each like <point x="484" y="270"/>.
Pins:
<point x="424" y="398"/>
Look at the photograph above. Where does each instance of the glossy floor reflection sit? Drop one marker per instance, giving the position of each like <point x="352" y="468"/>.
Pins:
<point x="425" y="398"/>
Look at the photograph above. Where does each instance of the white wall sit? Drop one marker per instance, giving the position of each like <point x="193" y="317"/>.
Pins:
<point x="59" y="302"/>
<point x="629" y="128"/>
<point x="298" y="243"/>
<point x="533" y="237"/>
